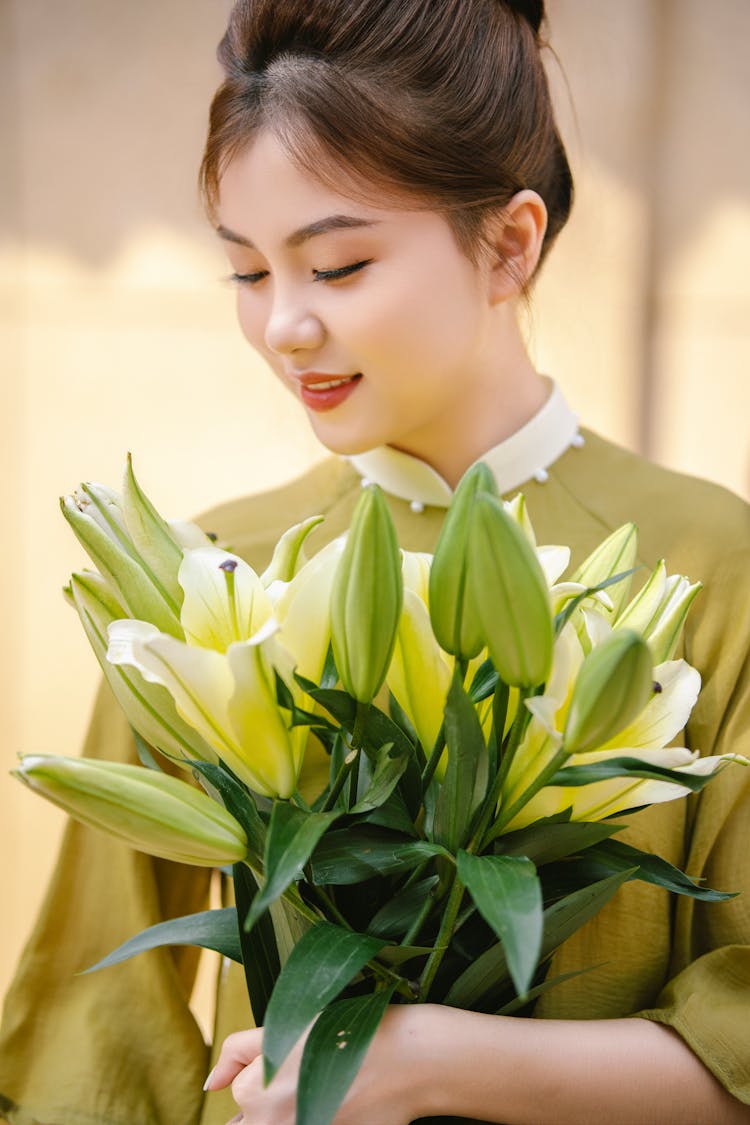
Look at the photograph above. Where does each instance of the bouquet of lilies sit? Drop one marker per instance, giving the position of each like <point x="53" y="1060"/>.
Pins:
<point x="481" y="723"/>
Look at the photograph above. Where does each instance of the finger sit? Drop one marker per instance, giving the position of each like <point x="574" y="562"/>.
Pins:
<point x="237" y="1051"/>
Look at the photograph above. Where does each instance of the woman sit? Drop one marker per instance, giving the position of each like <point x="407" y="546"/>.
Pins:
<point x="387" y="177"/>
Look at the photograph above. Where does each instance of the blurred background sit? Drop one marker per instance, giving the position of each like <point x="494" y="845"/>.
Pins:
<point x="117" y="331"/>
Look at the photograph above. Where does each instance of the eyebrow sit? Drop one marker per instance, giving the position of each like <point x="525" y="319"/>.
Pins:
<point x="312" y="230"/>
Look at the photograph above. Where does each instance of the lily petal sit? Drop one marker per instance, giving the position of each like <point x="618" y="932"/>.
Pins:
<point x="420" y="672"/>
<point x="224" y="599"/>
<point x="302" y="608"/>
<point x="666" y="713"/>
<point x="554" y="562"/>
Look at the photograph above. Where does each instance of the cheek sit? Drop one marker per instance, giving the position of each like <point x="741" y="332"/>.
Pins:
<point x="430" y="323"/>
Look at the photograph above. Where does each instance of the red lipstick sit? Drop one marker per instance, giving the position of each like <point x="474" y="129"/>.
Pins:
<point x="321" y="391"/>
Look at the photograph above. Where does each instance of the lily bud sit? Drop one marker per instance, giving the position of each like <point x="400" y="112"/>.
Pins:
<point x="659" y="611"/>
<point x="289" y="553"/>
<point x="150" y="811"/>
<point x="663" y="634"/>
<point x="366" y="598"/>
<point x="509" y="594"/>
<point x="613" y="686"/>
<point x="615" y="555"/>
<point x="95" y="515"/>
<point x="455" y="621"/>
<point x="153" y="539"/>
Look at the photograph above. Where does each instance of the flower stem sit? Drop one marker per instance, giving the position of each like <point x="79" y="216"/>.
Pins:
<point x="339" y="782"/>
<point x="360" y="718"/>
<point x="516" y="733"/>
<point x="442" y="941"/>
<point x="419" y="921"/>
<point x="506" y="814"/>
<point x="435" y="754"/>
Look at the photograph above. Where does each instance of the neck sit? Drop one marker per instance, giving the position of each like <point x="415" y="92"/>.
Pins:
<point x="508" y="393"/>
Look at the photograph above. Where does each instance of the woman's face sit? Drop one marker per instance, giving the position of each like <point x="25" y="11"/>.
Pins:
<point x="371" y="316"/>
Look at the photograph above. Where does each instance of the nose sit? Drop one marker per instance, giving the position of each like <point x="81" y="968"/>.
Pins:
<point x="292" y="327"/>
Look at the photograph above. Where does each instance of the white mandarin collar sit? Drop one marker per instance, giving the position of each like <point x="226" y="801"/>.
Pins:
<point x="525" y="455"/>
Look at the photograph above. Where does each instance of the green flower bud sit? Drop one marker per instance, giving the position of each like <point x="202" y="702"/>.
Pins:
<point x="659" y="610"/>
<point x="150" y="811"/>
<point x="455" y="622"/>
<point x="96" y="517"/>
<point x="152" y="538"/>
<point x="615" y="555"/>
<point x="509" y="595"/>
<point x="613" y="686"/>
<point x="366" y="598"/>
<point x="664" y="631"/>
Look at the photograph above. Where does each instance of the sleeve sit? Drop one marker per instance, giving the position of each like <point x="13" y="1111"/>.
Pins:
<point x="121" y="1045"/>
<point x="707" y="999"/>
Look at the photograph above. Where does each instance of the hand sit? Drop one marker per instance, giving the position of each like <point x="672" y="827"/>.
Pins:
<point x="386" y="1091"/>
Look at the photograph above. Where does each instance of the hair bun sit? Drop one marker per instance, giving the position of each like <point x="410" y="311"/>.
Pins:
<point x="530" y="10"/>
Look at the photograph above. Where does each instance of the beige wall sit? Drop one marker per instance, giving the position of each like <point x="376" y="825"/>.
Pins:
<point x="116" y="333"/>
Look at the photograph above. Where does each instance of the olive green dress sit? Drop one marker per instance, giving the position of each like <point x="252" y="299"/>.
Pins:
<point x="120" y="1047"/>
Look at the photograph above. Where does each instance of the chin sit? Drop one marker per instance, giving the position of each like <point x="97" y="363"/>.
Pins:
<point x="345" y="445"/>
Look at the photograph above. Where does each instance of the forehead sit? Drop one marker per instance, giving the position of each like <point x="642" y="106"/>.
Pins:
<point x="264" y="194"/>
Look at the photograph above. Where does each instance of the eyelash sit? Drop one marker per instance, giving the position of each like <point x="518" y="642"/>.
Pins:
<point x="318" y="275"/>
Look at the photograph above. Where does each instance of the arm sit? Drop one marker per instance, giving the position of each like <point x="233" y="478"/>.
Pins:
<point x="437" y="1060"/>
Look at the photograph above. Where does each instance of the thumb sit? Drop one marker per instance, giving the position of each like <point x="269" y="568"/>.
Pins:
<point x="237" y="1052"/>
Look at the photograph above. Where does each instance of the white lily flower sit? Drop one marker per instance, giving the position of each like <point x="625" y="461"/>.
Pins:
<point x="646" y="737"/>
<point x="302" y="609"/>
<point x="224" y="600"/>
<point x="149" y="708"/>
<point x="603" y="799"/>
<point x="228" y="697"/>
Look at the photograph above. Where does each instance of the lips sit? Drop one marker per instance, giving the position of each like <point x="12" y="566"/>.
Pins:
<point x="322" y="391"/>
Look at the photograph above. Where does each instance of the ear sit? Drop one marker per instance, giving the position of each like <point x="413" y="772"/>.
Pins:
<point x="514" y="237"/>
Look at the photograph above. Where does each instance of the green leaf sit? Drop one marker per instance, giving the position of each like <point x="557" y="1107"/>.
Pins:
<point x="260" y="953"/>
<point x="567" y="612"/>
<point x="393" y="814"/>
<point x="390" y="764"/>
<point x="519" y="1002"/>
<point x="239" y="802"/>
<point x="465" y="781"/>
<point x="394" y="918"/>
<point x="485" y="681"/>
<point x="210" y="929"/>
<point x="507" y="892"/>
<point x="292" y="836"/>
<point x="613" y="855"/>
<point x="544" y="842"/>
<point x="333" y="1054"/>
<point x="562" y="919"/>
<point x="145" y="756"/>
<point x="323" y="962"/>
<point x="627" y="767"/>
<point x="396" y="955"/>
<point x="351" y="855"/>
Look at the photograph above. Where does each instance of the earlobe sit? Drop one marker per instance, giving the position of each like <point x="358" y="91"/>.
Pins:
<point x="515" y="237"/>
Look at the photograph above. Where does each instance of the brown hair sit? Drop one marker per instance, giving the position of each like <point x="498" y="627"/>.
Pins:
<point x="445" y="100"/>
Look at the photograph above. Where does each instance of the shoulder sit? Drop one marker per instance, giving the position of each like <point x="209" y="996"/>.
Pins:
<point x="696" y="525"/>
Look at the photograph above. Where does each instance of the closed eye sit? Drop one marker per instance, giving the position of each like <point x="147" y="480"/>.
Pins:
<point x="344" y="271"/>
<point x="248" y="278"/>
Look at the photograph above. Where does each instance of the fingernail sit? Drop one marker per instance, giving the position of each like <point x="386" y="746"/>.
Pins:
<point x="207" y="1083"/>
